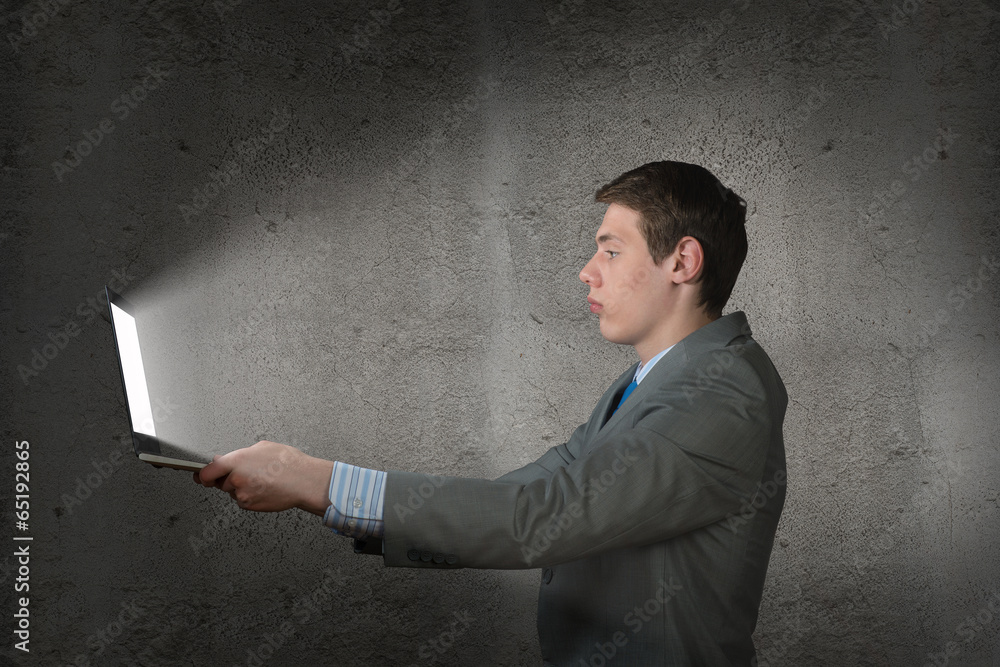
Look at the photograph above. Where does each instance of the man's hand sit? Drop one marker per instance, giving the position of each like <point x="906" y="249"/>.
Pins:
<point x="269" y="477"/>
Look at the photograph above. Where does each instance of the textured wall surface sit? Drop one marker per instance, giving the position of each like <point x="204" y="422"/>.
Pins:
<point x="356" y="228"/>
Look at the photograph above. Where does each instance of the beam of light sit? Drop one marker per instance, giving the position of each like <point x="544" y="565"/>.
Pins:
<point x="135" y="377"/>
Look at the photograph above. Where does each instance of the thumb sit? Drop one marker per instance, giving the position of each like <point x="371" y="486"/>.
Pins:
<point x="218" y="468"/>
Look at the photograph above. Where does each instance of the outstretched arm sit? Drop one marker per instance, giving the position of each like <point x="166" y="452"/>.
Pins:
<point x="270" y="477"/>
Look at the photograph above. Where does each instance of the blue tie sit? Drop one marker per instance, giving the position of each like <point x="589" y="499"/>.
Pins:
<point x="628" y="390"/>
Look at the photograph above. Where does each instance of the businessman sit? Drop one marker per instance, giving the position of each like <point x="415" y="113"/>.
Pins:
<point x="653" y="524"/>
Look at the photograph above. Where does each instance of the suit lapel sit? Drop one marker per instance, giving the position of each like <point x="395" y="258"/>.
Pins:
<point x="714" y="335"/>
<point x="614" y="393"/>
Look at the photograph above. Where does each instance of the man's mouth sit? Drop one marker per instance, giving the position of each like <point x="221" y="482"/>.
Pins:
<point x="595" y="307"/>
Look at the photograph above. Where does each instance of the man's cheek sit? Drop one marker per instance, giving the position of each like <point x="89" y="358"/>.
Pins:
<point x="617" y="287"/>
<point x="640" y="278"/>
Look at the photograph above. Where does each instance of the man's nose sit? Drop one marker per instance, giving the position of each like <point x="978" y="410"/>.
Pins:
<point x="589" y="273"/>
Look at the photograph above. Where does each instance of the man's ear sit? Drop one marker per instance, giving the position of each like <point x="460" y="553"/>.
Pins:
<point x="687" y="261"/>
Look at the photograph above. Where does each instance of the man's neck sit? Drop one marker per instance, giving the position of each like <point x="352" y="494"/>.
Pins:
<point x="673" y="332"/>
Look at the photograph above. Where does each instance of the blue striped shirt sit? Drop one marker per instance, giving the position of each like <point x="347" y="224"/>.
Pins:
<point x="357" y="495"/>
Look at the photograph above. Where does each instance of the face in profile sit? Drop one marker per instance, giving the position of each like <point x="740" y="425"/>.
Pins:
<point x="629" y="293"/>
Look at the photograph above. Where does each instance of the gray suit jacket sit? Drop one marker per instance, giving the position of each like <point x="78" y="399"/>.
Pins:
<point x="653" y="525"/>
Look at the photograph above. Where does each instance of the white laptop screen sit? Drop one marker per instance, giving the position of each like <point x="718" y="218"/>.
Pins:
<point x="135" y="378"/>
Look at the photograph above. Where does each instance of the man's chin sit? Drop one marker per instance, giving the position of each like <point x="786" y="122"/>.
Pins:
<point x="613" y="336"/>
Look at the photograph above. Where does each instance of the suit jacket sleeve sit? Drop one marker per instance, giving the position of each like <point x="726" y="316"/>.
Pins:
<point x="685" y="457"/>
<point x="557" y="457"/>
<point x="554" y="458"/>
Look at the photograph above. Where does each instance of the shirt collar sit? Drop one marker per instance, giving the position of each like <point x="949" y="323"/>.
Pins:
<point x="644" y="368"/>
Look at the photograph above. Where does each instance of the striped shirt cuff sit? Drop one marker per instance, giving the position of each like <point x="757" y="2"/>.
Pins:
<point x="357" y="496"/>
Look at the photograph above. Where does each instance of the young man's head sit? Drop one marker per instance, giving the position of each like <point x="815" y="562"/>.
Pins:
<point x="669" y="250"/>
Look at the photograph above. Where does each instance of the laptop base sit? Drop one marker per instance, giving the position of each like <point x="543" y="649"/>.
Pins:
<point x="167" y="462"/>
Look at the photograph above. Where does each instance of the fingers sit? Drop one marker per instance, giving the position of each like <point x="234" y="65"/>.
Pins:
<point x="225" y="484"/>
<point x="215" y="473"/>
<point x="265" y="477"/>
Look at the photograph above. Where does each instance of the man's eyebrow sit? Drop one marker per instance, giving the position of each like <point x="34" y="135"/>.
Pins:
<point x="604" y="238"/>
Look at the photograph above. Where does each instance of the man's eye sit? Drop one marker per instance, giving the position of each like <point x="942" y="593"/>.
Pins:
<point x="611" y="253"/>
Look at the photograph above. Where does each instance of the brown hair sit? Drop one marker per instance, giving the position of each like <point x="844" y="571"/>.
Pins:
<point x="676" y="199"/>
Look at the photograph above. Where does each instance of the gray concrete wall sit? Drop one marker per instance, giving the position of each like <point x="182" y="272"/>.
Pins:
<point x="358" y="228"/>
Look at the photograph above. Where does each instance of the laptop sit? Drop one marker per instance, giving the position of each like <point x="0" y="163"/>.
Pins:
<point x="147" y="446"/>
